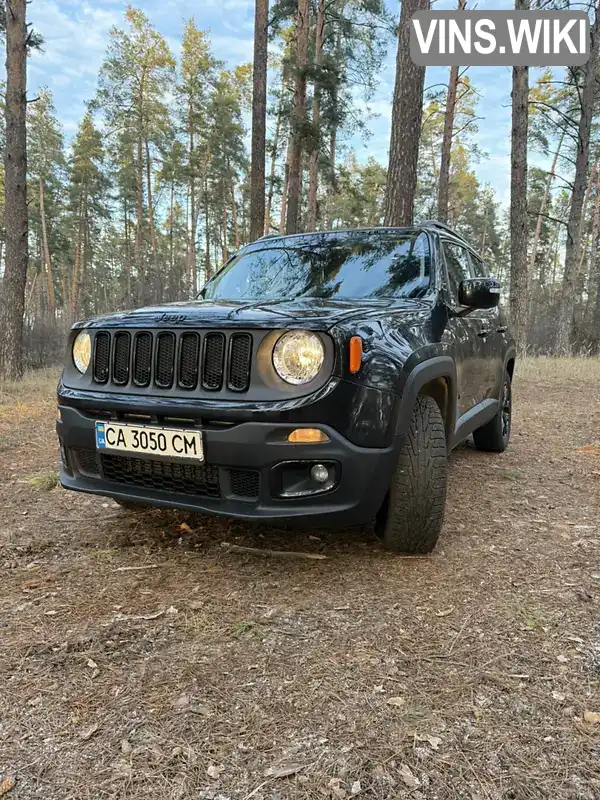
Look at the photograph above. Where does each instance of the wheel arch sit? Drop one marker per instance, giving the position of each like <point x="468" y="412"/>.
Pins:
<point x="436" y="378"/>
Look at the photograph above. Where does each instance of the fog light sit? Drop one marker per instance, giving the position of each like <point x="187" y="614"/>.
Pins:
<point x="307" y="436"/>
<point x="319" y="473"/>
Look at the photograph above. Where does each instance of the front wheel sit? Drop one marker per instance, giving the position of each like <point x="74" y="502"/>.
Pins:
<point x="493" y="437"/>
<point x="411" y="517"/>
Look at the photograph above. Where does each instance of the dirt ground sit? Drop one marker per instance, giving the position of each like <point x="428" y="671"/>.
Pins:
<point x="140" y="659"/>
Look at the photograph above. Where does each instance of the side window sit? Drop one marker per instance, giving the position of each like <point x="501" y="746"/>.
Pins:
<point x="479" y="270"/>
<point x="457" y="263"/>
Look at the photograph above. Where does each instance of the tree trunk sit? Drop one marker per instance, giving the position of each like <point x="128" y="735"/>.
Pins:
<point x="85" y="249"/>
<point x="140" y="220"/>
<point x="259" y="120"/>
<point x="573" y="244"/>
<point x="518" y="299"/>
<point x="594" y="276"/>
<point x="77" y="262"/>
<point x="12" y="304"/>
<point x="274" y="152"/>
<point x="407" y="112"/>
<point x="127" y="251"/>
<point x="193" y="272"/>
<point x="206" y="234"/>
<point x="46" y="254"/>
<point x="444" y="182"/>
<point x="171" y="221"/>
<point x="298" y="118"/>
<point x="543" y="205"/>
<point x="284" y="191"/>
<point x="150" y="204"/>
<point x="313" y="166"/>
<point x="234" y="219"/>
<point x="334" y="100"/>
<point x="224" y="243"/>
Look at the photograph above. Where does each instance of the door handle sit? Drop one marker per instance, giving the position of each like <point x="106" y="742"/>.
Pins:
<point x="484" y="331"/>
<point x="502" y="329"/>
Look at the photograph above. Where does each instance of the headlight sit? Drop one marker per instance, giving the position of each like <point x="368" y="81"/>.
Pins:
<point x="298" y="356"/>
<point x="82" y="351"/>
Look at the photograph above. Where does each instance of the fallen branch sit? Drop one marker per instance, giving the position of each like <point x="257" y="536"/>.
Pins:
<point x="257" y="551"/>
<point x="132" y="569"/>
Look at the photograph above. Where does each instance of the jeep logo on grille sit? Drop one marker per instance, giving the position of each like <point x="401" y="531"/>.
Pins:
<point x="173" y="319"/>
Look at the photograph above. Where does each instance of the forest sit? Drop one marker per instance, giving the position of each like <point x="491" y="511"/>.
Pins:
<point x="179" y="161"/>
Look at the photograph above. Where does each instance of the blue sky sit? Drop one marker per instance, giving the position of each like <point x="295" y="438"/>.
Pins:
<point x="76" y="34"/>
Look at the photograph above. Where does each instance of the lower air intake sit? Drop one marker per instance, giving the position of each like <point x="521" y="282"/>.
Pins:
<point x="166" y="476"/>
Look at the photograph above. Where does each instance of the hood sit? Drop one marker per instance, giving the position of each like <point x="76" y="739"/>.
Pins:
<point x="306" y="312"/>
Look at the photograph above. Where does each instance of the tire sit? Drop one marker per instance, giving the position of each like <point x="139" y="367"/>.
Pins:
<point x="493" y="437"/>
<point x="411" y="517"/>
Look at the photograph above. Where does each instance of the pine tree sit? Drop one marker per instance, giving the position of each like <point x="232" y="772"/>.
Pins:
<point x="12" y="303"/>
<point x="88" y="186"/>
<point x="134" y="79"/>
<point x="197" y="80"/>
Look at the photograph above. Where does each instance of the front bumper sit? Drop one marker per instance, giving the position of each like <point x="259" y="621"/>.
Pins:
<point x="243" y="474"/>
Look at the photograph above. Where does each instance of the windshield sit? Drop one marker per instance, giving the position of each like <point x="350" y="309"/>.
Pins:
<point x="345" y="266"/>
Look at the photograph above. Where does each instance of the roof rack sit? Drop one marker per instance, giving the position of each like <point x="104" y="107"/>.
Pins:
<point x="434" y="223"/>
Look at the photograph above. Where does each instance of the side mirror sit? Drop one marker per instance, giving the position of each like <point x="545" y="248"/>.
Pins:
<point x="479" y="293"/>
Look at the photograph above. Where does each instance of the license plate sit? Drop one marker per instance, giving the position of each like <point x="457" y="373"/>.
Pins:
<point x="150" y="440"/>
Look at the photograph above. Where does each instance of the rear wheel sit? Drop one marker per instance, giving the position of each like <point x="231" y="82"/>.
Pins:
<point x="411" y="517"/>
<point x="494" y="436"/>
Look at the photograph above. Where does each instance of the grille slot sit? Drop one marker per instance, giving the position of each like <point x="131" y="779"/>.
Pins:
<point x="101" y="356"/>
<point x="165" y="360"/>
<point x="214" y="357"/>
<point x="240" y="353"/>
<point x="245" y="482"/>
<point x="193" y="479"/>
<point x="142" y="359"/>
<point x="121" y="358"/>
<point x="189" y="354"/>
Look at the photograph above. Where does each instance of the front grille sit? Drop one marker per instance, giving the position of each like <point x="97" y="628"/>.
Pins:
<point x="189" y="360"/>
<point x="195" y="479"/>
<point x="245" y="482"/>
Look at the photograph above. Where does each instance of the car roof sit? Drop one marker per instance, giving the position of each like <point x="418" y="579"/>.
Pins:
<point x="430" y="225"/>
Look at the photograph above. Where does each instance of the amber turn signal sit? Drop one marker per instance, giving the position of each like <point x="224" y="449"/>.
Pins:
<point x="307" y="436"/>
<point x="356" y="351"/>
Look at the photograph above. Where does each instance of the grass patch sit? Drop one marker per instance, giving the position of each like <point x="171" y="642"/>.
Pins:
<point x="512" y="474"/>
<point x="45" y="481"/>
<point x="244" y="628"/>
<point x="6" y="444"/>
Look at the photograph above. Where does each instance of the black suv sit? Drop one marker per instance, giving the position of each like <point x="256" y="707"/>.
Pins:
<point x="320" y="377"/>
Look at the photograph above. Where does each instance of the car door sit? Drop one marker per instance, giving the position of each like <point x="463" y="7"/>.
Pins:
<point x="491" y="336"/>
<point x="459" y="333"/>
